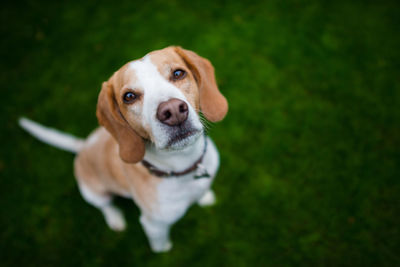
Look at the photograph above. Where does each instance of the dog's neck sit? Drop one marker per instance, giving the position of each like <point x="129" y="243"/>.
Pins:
<point x="175" y="160"/>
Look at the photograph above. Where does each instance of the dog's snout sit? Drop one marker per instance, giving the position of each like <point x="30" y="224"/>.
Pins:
<point x="172" y="112"/>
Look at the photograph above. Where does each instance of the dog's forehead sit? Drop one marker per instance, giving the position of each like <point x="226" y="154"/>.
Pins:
<point x="151" y="65"/>
<point x="165" y="58"/>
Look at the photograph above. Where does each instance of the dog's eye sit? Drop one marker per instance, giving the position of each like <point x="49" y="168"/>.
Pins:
<point x="129" y="97"/>
<point x="178" y="74"/>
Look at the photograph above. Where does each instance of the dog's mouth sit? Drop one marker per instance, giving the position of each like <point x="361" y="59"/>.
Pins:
<point x="183" y="137"/>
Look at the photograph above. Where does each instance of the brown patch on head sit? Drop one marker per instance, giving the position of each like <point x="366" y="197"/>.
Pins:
<point x="127" y="131"/>
<point x="122" y="81"/>
<point x="167" y="61"/>
<point x="212" y="103"/>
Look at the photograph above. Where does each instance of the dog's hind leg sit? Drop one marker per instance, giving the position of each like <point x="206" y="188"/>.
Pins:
<point x="208" y="199"/>
<point x="113" y="216"/>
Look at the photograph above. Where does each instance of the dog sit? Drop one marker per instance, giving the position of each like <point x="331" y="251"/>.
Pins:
<point x="150" y="145"/>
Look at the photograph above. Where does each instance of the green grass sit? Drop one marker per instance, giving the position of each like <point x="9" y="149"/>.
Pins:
<point x="310" y="148"/>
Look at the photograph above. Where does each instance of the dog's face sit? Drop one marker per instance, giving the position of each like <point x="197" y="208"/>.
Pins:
<point x="157" y="98"/>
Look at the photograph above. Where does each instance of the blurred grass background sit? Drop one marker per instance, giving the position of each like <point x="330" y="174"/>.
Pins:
<point x="309" y="149"/>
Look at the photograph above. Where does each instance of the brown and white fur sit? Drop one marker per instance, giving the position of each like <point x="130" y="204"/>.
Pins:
<point x="108" y="162"/>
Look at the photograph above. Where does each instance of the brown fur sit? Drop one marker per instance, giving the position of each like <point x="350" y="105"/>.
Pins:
<point x="99" y="167"/>
<point x="131" y="145"/>
<point x="212" y="103"/>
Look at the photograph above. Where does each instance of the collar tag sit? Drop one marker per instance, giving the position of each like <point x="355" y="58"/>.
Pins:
<point x="201" y="172"/>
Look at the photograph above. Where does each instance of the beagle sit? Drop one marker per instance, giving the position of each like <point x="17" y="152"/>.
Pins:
<point x="151" y="146"/>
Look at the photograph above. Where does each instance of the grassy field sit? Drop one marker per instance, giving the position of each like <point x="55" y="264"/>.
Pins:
<point x="310" y="149"/>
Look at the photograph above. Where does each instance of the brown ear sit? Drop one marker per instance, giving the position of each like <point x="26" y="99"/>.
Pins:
<point x="131" y="145"/>
<point x="212" y="103"/>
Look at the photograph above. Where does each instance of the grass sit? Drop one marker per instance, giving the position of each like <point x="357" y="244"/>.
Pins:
<point x="310" y="148"/>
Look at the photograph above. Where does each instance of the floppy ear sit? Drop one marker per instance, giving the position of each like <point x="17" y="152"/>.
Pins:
<point x="131" y="145"/>
<point x="212" y="103"/>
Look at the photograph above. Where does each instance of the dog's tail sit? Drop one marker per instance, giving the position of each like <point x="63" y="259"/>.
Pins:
<point x="51" y="136"/>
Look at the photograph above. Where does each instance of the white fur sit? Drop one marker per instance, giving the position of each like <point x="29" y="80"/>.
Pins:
<point x="175" y="160"/>
<point x="113" y="216"/>
<point x="208" y="199"/>
<point x="92" y="138"/>
<point x="51" y="136"/>
<point x="176" y="195"/>
<point x="157" y="233"/>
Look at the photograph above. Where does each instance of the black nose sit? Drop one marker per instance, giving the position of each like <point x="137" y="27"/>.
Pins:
<point x="172" y="112"/>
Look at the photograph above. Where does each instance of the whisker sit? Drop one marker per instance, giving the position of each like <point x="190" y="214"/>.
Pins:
<point x="206" y="123"/>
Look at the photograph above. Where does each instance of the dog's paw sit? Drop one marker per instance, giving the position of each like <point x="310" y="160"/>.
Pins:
<point x="114" y="218"/>
<point x="160" y="248"/>
<point x="208" y="199"/>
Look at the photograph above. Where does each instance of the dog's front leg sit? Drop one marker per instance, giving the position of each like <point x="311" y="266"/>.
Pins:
<point x="158" y="233"/>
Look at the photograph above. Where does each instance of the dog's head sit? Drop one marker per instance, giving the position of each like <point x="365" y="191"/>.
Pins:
<point x="157" y="98"/>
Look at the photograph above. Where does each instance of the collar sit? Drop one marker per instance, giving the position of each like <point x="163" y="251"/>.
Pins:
<point x="196" y="165"/>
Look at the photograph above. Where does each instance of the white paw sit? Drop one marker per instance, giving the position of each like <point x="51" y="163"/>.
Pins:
<point x="207" y="199"/>
<point x="114" y="218"/>
<point x="159" y="248"/>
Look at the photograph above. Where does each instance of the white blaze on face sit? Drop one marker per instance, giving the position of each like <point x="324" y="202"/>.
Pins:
<point x="157" y="89"/>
